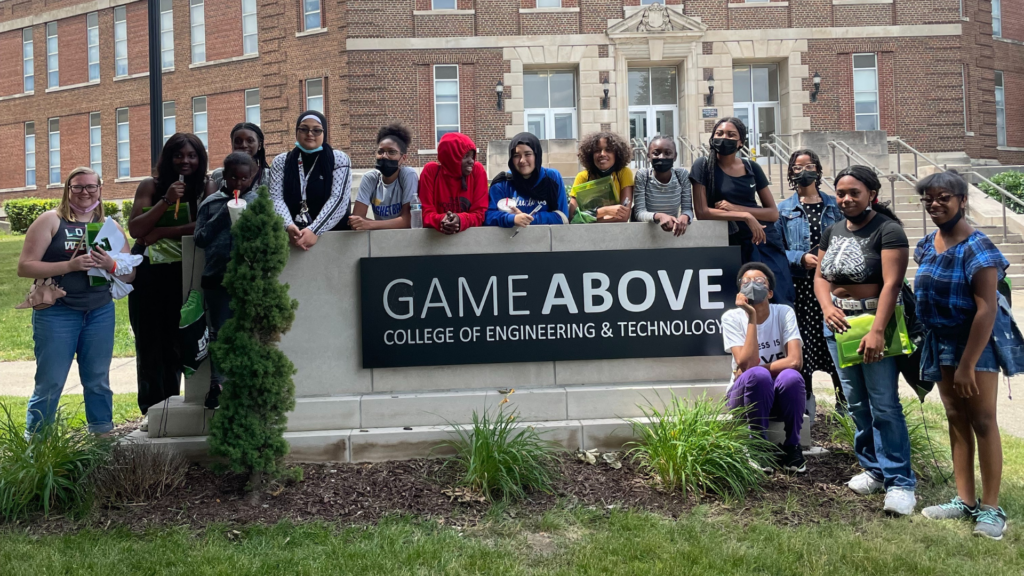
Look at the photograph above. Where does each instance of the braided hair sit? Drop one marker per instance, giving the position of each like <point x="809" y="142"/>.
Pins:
<point x="792" y="164"/>
<point x="261" y="154"/>
<point x="708" y="179"/>
<point x="869" y="179"/>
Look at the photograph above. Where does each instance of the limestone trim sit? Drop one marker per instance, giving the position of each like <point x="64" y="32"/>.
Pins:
<point x="14" y="96"/>
<point x="913" y="30"/>
<point x="1010" y="148"/>
<point x="132" y="179"/>
<point x="472" y="42"/>
<point x="758" y="4"/>
<point x="853" y="2"/>
<point x="133" y="76"/>
<point x="21" y="189"/>
<point x="72" y="86"/>
<point x="310" y="32"/>
<point x="224" y="61"/>
<point x="60" y="14"/>
<point x="656" y="19"/>
<point x="443" y="12"/>
<point x="563" y="10"/>
<point x="422" y="152"/>
<point x="1007" y="40"/>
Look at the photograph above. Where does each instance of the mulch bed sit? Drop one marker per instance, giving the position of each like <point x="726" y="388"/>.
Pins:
<point x="364" y="493"/>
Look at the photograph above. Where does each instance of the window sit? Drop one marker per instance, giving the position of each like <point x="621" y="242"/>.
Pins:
<point x="54" y="125"/>
<point x="92" y="35"/>
<point x="170" y="123"/>
<point x="550" y="103"/>
<point x="963" y="95"/>
<point x="198" y="31"/>
<point x="95" y="150"/>
<point x="549" y="4"/>
<point x="443" y="5"/>
<point x="311" y="14"/>
<point x="653" y="102"/>
<point x="166" y="34"/>
<point x="315" y="95"/>
<point x="52" y="68"/>
<point x="199" y="126"/>
<point x="27" y="56"/>
<point x="249" y="37"/>
<point x="865" y="91"/>
<point x="124" y="165"/>
<point x="252" y="106"/>
<point x="997" y="18"/>
<point x="446" y="100"/>
<point x="30" y="153"/>
<point x="1000" y="111"/>
<point x="120" y="42"/>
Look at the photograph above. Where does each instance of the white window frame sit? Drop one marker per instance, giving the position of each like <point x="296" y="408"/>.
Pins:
<point x="309" y="104"/>
<point x="650" y="111"/>
<point x="997" y="18"/>
<point x="124" y="162"/>
<point x="549" y="3"/>
<point x="30" y="154"/>
<point x="28" y="58"/>
<point x="453" y="3"/>
<point x="963" y="94"/>
<point x="253" y="34"/>
<point x="458" y="100"/>
<point x="52" y="56"/>
<point x="92" y="40"/>
<point x="307" y="13"/>
<point x="172" y="117"/>
<point x="167" y="34"/>
<point x="197" y="30"/>
<point x="1000" y="94"/>
<point x="252" y="111"/>
<point x="95" y="143"/>
<point x="53" y="147"/>
<point x="550" y="112"/>
<point x="120" y="41"/>
<point x="203" y="135"/>
<point x="878" y="104"/>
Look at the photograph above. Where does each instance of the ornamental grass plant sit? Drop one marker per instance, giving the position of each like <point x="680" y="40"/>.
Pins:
<point x="500" y="459"/>
<point x="699" y="446"/>
<point x="48" y="471"/>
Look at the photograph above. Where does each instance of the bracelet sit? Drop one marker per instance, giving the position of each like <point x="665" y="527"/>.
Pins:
<point x="166" y="201"/>
<point x="114" y="269"/>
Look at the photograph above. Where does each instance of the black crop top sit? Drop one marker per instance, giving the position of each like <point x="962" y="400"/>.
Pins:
<point x="856" y="257"/>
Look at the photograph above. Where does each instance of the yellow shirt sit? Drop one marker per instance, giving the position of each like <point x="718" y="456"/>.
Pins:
<point x="623" y="178"/>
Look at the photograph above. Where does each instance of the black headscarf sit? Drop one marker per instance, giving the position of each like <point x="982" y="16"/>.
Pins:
<point x="534" y="187"/>
<point x="319" y="167"/>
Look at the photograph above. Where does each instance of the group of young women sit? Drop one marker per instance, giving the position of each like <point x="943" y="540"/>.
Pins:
<point x="849" y="252"/>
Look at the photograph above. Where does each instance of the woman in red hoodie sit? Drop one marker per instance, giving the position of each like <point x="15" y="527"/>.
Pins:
<point x="453" y="190"/>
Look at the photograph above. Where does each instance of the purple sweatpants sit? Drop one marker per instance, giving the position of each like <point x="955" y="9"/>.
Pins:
<point x="782" y="397"/>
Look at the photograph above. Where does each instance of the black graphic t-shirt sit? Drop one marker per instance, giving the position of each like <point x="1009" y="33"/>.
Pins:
<point x="855" y="257"/>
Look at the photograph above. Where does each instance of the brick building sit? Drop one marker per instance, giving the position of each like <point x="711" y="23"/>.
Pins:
<point x="944" y="75"/>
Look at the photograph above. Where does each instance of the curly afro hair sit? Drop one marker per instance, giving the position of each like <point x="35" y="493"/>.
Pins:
<point x="592" y="143"/>
<point x="398" y="133"/>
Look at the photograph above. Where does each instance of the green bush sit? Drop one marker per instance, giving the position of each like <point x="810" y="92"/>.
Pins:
<point x="699" y="447"/>
<point x="48" y="471"/>
<point x="21" y="213"/>
<point x="126" y="212"/>
<point x="501" y="460"/>
<point x="926" y="458"/>
<point x="248" y="429"/>
<point x="1011" y="181"/>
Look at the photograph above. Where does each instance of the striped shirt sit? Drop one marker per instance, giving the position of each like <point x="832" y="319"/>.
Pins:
<point x="650" y="196"/>
<point x="945" y="298"/>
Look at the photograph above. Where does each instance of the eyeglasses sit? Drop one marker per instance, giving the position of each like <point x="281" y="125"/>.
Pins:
<point x="395" y="154"/>
<point x="313" y="131"/>
<point x="757" y="280"/>
<point x="90" y="188"/>
<point x="798" y="168"/>
<point x="943" y="199"/>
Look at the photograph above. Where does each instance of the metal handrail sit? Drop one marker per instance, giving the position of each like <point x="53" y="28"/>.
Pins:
<point x="691" y="151"/>
<point x="1002" y="193"/>
<point x="849" y="152"/>
<point x="780" y="144"/>
<point x="899" y="159"/>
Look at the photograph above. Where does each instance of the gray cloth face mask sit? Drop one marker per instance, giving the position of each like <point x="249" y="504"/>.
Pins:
<point x="755" y="293"/>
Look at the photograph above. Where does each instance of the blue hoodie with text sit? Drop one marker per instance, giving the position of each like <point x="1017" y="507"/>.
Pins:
<point x="546" y="215"/>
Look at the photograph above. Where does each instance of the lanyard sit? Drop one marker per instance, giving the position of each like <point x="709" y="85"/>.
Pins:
<point x="303" y="177"/>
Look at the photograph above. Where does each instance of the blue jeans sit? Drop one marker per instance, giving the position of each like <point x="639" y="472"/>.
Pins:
<point x="59" y="334"/>
<point x="882" y="442"/>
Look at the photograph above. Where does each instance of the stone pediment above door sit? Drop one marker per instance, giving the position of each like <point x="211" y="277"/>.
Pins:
<point x="656" y="20"/>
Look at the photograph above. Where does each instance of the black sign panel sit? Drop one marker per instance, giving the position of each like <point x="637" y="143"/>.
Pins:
<point x="483" y="308"/>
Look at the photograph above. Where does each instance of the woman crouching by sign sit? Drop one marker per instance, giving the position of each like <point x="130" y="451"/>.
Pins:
<point x="528" y="193"/>
<point x="858" y="281"/>
<point x="956" y="286"/>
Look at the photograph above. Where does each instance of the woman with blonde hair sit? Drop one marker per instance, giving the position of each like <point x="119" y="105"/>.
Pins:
<point x="82" y="322"/>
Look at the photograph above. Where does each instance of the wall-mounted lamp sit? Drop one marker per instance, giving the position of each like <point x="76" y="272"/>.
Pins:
<point x="817" y="86"/>
<point x="711" y="91"/>
<point x="500" y="91"/>
<point x="604" y="101"/>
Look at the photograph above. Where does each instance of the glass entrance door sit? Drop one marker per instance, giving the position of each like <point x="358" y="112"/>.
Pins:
<point x="756" y="94"/>
<point x="653" y="102"/>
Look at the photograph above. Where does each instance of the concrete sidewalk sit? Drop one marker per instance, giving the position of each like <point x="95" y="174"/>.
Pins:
<point x="18" y="378"/>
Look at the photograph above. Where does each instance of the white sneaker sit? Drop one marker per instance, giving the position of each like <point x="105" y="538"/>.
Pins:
<point x="900" y="501"/>
<point x="145" y="423"/>
<point x="865" y="484"/>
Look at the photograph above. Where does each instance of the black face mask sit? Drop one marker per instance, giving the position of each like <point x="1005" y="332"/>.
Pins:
<point x="386" y="166"/>
<point x="725" y="146"/>
<point x="860" y="218"/>
<point x="948" y="225"/>
<point x="662" y="164"/>
<point x="806" y="178"/>
<point x="602" y="173"/>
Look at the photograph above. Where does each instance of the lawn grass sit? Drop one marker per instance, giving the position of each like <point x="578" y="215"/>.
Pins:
<point x="126" y="408"/>
<point x="16" y="325"/>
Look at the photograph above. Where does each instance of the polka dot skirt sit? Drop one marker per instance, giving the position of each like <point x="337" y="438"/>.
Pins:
<point x="808" y="312"/>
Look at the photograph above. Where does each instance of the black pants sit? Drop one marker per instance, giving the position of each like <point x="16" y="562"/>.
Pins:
<point x="218" y="311"/>
<point x="154" y="308"/>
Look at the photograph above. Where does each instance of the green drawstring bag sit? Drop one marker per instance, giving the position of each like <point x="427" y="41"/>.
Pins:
<point x="897" y="339"/>
<point x="194" y="333"/>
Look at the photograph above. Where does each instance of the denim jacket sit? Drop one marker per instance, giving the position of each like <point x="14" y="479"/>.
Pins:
<point x="796" y="233"/>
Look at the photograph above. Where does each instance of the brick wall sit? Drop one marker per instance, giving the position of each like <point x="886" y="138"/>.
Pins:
<point x="371" y="19"/>
<point x="594" y="15"/>
<point x="137" y="15"/>
<point x="863" y="15"/>
<point x="764" y="16"/>
<point x="74" y="142"/>
<point x="434" y="26"/>
<point x="223" y="28"/>
<point x="540" y="24"/>
<point x="223" y="112"/>
<point x="12" y="174"/>
<point x="713" y="13"/>
<point x="11" y="71"/>
<point x="501" y="18"/>
<point x="72" y="50"/>
<point x="138" y="124"/>
<point x="926" y="11"/>
<point x="1013" y="88"/>
<point x="1013" y="20"/>
<point x="809" y="13"/>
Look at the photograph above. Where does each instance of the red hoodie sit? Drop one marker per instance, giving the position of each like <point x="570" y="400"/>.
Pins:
<point x="441" y="190"/>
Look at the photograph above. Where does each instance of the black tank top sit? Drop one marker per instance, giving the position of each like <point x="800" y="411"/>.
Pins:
<point x="80" y="295"/>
